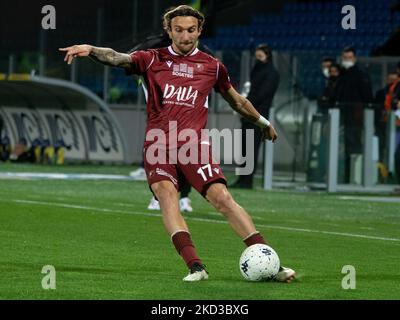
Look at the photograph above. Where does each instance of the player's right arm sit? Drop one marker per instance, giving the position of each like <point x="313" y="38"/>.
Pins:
<point x="241" y="104"/>
<point x="105" y="56"/>
<point x="246" y="109"/>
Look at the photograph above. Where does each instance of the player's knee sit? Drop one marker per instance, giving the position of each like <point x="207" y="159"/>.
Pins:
<point x="224" y="202"/>
<point x="164" y="190"/>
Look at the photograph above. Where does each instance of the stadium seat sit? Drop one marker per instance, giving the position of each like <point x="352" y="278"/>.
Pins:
<point x="319" y="32"/>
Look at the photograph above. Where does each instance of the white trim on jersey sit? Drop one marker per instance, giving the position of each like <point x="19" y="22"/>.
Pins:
<point x="171" y="51"/>
<point x="206" y="103"/>
<point x="194" y="52"/>
<point x="152" y="60"/>
<point x="146" y="94"/>
<point x="217" y="70"/>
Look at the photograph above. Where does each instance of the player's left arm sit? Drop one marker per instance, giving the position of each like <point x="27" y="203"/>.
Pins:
<point x="246" y="109"/>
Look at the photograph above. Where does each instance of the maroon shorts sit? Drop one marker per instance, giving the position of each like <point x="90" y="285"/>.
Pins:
<point x="199" y="170"/>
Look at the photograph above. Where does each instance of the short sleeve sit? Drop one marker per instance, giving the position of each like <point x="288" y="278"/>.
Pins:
<point x="223" y="82"/>
<point x="140" y="62"/>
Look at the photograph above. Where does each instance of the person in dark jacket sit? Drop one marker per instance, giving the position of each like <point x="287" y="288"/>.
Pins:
<point x="353" y="94"/>
<point x="384" y="103"/>
<point x="327" y="100"/>
<point x="264" y="79"/>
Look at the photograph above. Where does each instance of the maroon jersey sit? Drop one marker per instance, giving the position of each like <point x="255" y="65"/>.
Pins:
<point x="177" y="88"/>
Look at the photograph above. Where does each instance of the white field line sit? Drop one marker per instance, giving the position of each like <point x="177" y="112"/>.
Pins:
<point x="371" y="199"/>
<point x="103" y="210"/>
<point x="217" y="214"/>
<point x="72" y="206"/>
<point x="62" y="176"/>
<point x="121" y="204"/>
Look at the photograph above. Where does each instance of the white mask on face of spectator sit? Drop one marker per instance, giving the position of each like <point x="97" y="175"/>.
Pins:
<point x="347" y="64"/>
<point x="325" y="71"/>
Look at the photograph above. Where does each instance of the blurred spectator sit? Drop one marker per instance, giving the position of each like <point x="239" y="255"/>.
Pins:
<point x="5" y="149"/>
<point x="3" y="153"/>
<point x="397" y="154"/>
<point x="397" y="112"/>
<point x="388" y="99"/>
<point x="59" y="152"/>
<point x="325" y="65"/>
<point x="397" y="164"/>
<point x="353" y="94"/>
<point x="47" y="152"/>
<point x="264" y="81"/>
<point x="384" y="103"/>
<point x="21" y="152"/>
<point x="328" y="98"/>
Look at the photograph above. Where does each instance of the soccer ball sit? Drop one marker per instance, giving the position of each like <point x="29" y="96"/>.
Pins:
<point x="259" y="262"/>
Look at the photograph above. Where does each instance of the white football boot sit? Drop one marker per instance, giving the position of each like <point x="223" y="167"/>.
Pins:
<point x="185" y="205"/>
<point x="285" y="275"/>
<point x="154" y="204"/>
<point x="139" y="174"/>
<point x="196" y="273"/>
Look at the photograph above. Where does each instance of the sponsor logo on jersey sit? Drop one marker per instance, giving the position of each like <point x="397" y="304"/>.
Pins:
<point x="169" y="63"/>
<point x="182" y="70"/>
<point x="180" y="95"/>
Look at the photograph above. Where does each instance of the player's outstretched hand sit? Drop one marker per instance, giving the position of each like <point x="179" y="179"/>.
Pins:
<point x="269" y="133"/>
<point x="82" y="50"/>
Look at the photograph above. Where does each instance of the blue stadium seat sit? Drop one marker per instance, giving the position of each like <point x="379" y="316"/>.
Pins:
<point x="312" y="27"/>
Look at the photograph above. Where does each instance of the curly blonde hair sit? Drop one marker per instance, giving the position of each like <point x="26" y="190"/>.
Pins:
<point x="182" y="11"/>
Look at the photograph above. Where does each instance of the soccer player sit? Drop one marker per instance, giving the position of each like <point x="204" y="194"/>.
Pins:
<point x="178" y="80"/>
<point x="155" y="42"/>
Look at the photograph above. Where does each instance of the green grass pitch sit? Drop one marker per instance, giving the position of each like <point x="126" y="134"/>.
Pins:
<point x="104" y="244"/>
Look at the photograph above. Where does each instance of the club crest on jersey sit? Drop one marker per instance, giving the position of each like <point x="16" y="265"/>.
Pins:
<point x="199" y="67"/>
<point x="180" y="95"/>
<point x="182" y="70"/>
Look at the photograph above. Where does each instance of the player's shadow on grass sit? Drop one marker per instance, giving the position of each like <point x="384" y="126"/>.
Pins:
<point x="13" y="266"/>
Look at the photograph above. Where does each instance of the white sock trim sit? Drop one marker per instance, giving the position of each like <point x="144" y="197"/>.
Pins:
<point x="250" y="235"/>
<point x="174" y="233"/>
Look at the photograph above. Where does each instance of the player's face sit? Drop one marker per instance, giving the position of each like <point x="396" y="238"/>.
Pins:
<point x="184" y="34"/>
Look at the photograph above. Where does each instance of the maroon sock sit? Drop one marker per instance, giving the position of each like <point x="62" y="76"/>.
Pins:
<point x="184" y="245"/>
<point x="253" y="239"/>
